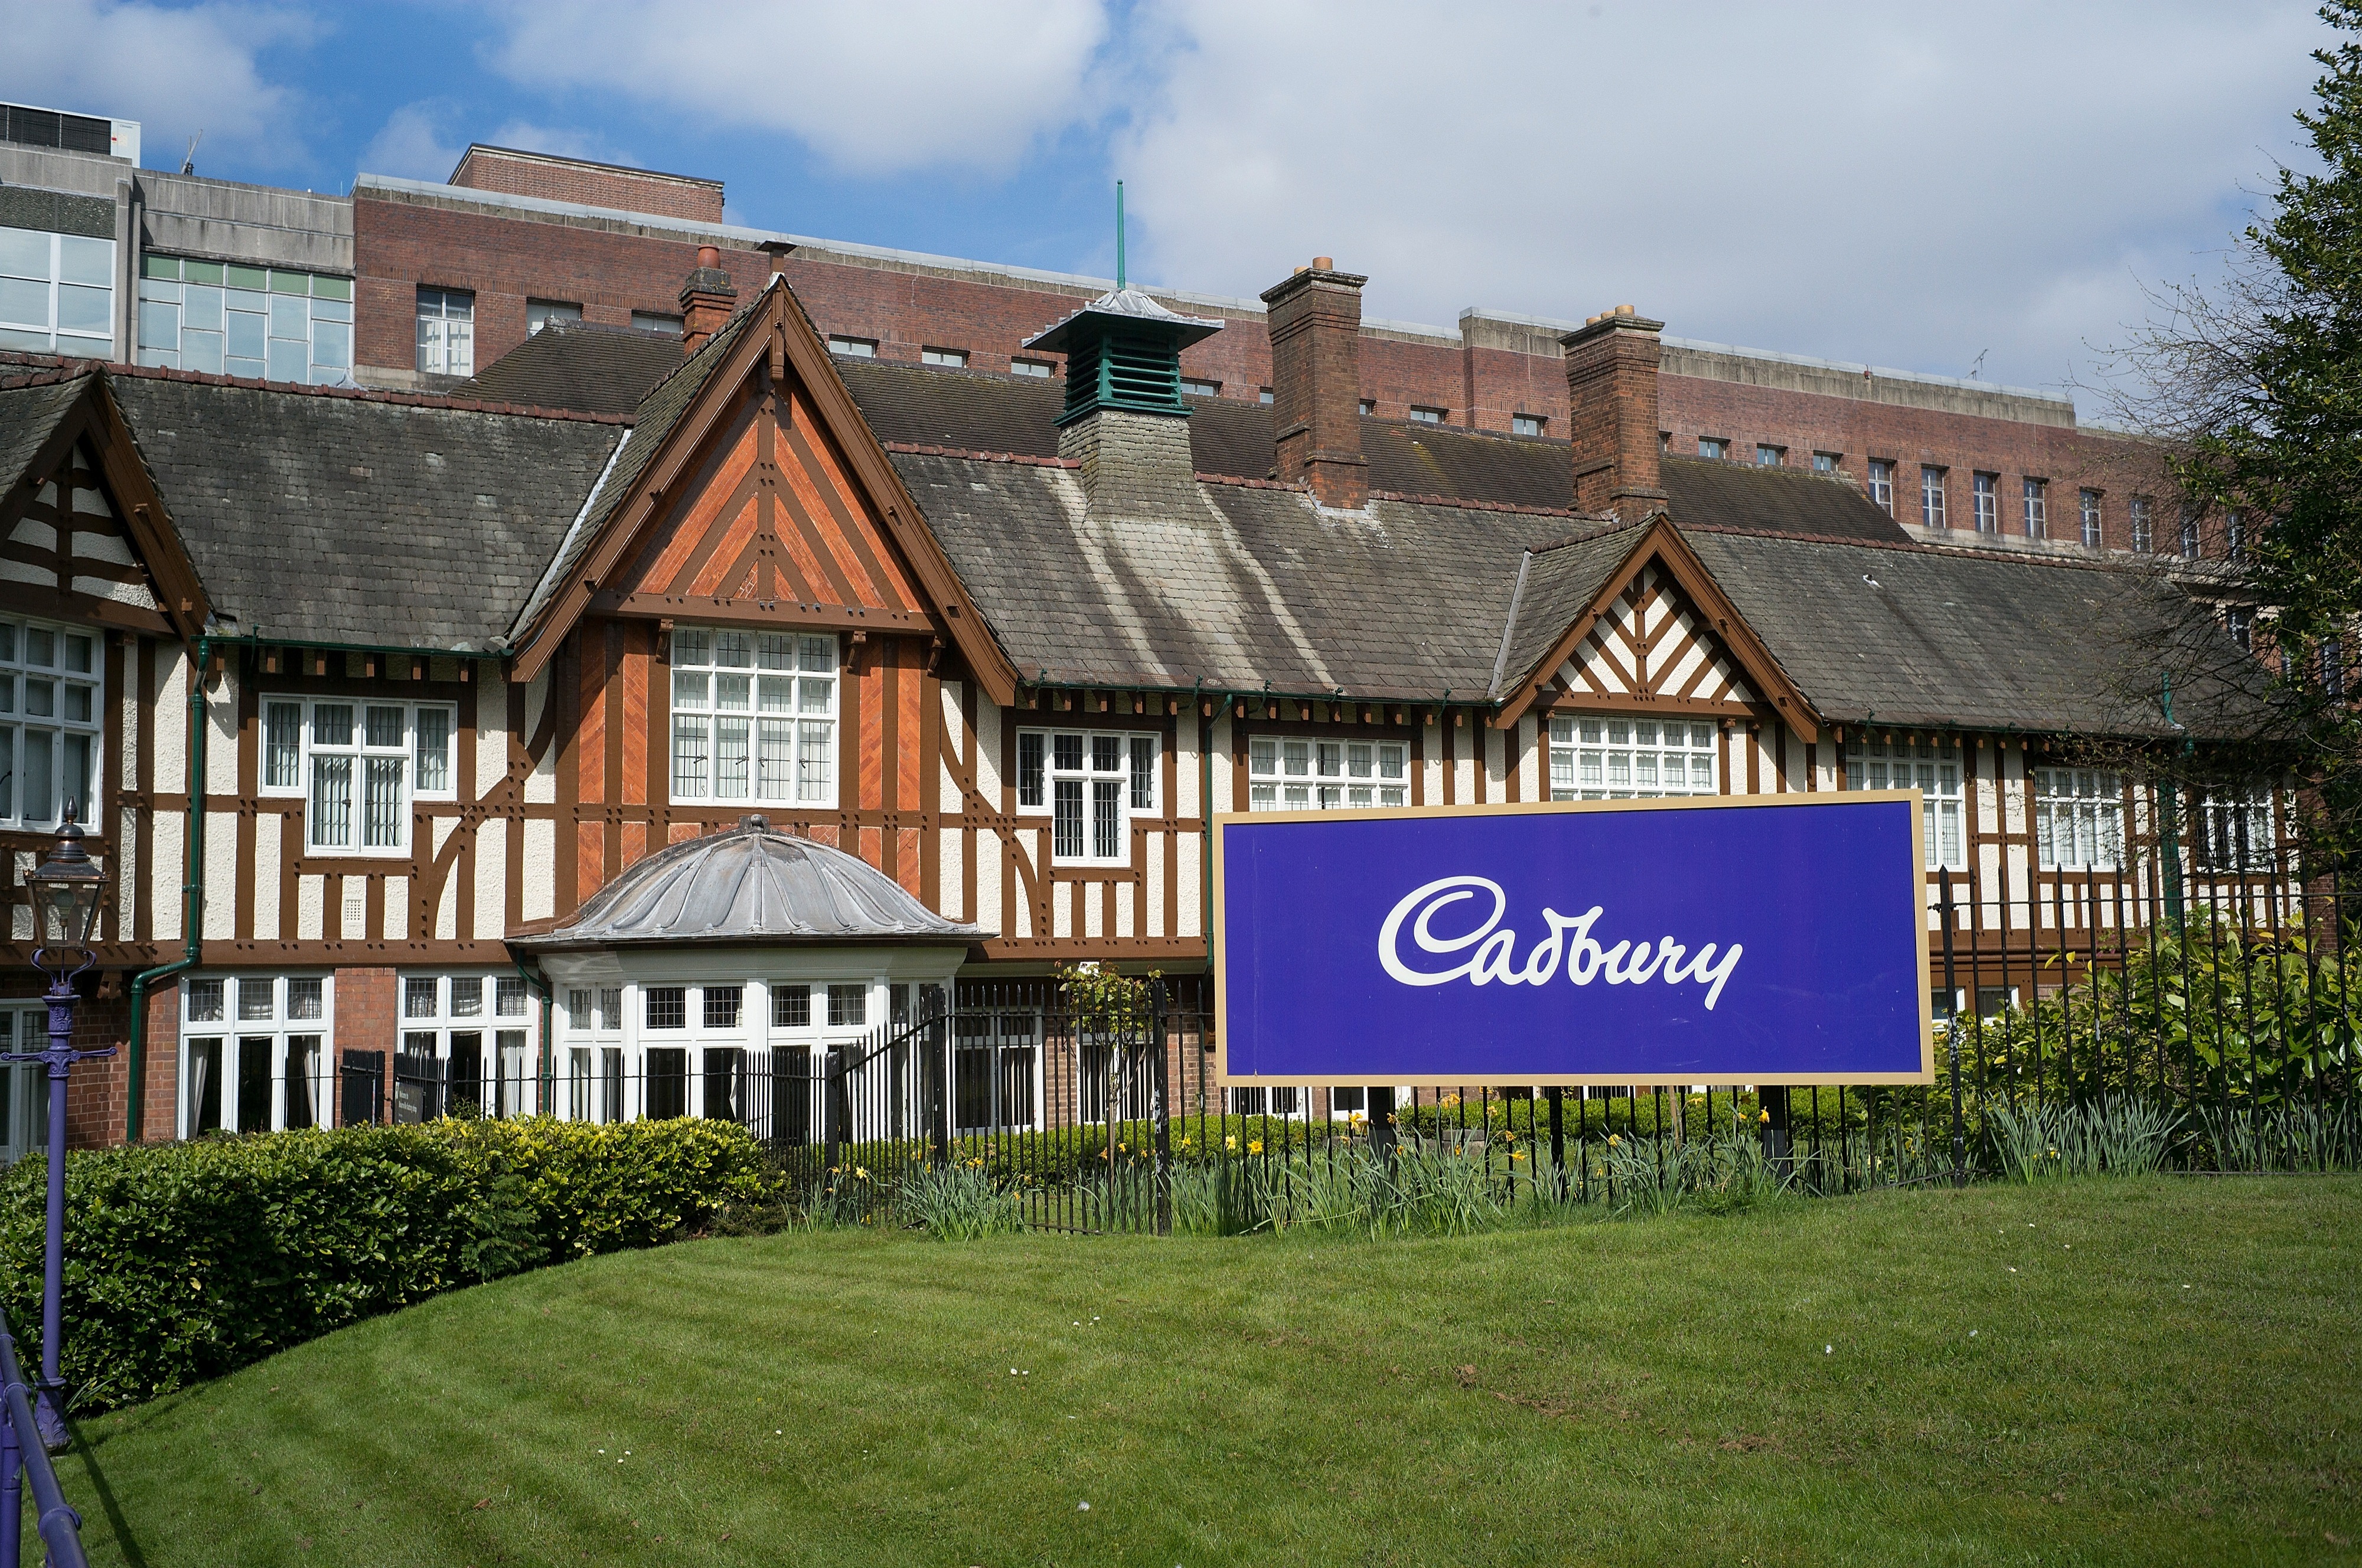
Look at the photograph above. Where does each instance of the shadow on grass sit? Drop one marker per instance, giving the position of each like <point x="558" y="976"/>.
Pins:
<point x="116" y="1522"/>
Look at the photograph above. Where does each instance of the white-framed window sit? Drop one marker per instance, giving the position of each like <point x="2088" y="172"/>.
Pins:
<point x="2192" y="547"/>
<point x="1602" y="758"/>
<point x="1770" y="457"/>
<point x="2037" y="509"/>
<point x="254" y="1053"/>
<point x="57" y="293"/>
<point x="1985" y="490"/>
<point x="1712" y="446"/>
<point x="1931" y="496"/>
<point x="1368" y="405"/>
<point x="2231" y="830"/>
<point x="754" y="716"/>
<point x="52" y="697"/>
<point x="2088" y="505"/>
<point x="1200" y="389"/>
<point x="854" y="347"/>
<point x="267" y="323"/>
<point x="470" y="1035"/>
<point x="2143" y="517"/>
<point x="2239" y="619"/>
<point x="446" y="331"/>
<point x="539" y="314"/>
<point x="656" y="321"/>
<point x="1263" y="394"/>
<point x="955" y="358"/>
<point x="1091" y="783"/>
<point x="1421" y="415"/>
<point x="358" y="764"/>
<point x="2235" y="535"/>
<point x="593" y="1087"/>
<point x="1288" y="774"/>
<point x="1930" y="767"/>
<point x="1040" y="369"/>
<point x="1528" y="424"/>
<point x="23" y="1085"/>
<point x="2078" y="819"/>
<point x="1882" y="485"/>
<point x="1825" y="462"/>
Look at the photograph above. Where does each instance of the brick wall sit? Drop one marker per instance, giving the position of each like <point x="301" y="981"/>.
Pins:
<point x="591" y="184"/>
<point x="366" y="1020"/>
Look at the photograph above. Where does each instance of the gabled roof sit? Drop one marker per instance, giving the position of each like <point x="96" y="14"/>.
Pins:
<point x="580" y="365"/>
<point x="347" y="520"/>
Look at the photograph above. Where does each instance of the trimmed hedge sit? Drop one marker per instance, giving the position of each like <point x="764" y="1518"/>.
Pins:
<point x="186" y="1261"/>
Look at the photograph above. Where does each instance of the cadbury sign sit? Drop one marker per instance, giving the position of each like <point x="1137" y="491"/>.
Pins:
<point x="1747" y="939"/>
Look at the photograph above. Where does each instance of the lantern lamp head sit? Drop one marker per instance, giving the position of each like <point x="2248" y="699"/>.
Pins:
<point x="67" y="890"/>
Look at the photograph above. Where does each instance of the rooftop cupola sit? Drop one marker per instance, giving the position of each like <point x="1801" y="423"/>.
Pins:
<point x="1124" y="420"/>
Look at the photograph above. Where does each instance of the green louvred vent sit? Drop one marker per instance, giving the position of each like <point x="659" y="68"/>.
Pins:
<point x="1123" y="349"/>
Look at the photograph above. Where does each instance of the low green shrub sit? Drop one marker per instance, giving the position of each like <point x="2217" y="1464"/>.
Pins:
<point x="957" y="1202"/>
<point x="186" y="1261"/>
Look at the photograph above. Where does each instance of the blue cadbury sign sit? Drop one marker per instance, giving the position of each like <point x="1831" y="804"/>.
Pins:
<point x="1750" y="939"/>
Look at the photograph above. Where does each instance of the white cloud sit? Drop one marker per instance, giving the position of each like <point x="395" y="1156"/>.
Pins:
<point x="1894" y="184"/>
<point x="414" y="143"/>
<point x="872" y="89"/>
<point x="176" y="71"/>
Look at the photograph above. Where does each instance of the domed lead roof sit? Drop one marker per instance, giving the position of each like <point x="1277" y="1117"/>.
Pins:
<point x="747" y="884"/>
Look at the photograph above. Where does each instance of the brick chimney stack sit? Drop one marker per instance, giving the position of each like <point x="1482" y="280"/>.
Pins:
<point x="706" y="300"/>
<point x="1315" y="323"/>
<point x="1611" y="397"/>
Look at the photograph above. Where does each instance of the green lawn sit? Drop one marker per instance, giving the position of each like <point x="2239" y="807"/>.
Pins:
<point x="2140" y="1371"/>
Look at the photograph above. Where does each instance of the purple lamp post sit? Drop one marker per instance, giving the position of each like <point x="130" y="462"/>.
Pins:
<point x="67" y="890"/>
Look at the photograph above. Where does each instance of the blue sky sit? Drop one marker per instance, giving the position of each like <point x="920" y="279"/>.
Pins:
<point x="1915" y="186"/>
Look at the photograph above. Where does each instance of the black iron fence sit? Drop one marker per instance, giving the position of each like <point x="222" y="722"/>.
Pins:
<point x="2096" y="1022"/>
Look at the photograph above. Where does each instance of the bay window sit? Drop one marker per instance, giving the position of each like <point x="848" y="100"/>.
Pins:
<point x="2079" y="823"/>
<point x="1090" y="784"/>
<point x="51" y="697"/>
<point x="254" y="1053"/>
<point x="358" y="764"/>
<point x="1930" y="767"/>
<point x="1285" y="774"/>
<point x="1623" y="760"/>
<point x="448" y="1021"/>
<point x="754" y="716"/>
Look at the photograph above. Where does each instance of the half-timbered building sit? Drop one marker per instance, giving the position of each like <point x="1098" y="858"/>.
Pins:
<point x="398" y="717"/>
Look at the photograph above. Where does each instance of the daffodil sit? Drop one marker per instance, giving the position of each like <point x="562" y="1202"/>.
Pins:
<point x="1232" y="1144"/>
<point x="1254" y="1146"/>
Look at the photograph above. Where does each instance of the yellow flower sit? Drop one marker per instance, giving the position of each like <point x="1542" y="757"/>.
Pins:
<point x="1763" y="1115"/>
<point x="860" y="1173"/>
<point x="1232" y="1144"/>
<point x="1614" y="1142"/>
<point x="1254" y="1146"/>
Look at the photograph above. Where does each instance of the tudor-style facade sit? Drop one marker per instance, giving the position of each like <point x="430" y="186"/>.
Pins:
<point x="457" y="668"/>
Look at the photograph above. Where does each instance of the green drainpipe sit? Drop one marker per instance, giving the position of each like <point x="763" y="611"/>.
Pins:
<point x="193" y="901"/>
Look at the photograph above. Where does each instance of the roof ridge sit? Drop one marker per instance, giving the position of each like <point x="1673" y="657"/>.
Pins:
<point x="1471" y="505"/>
<point x="928" y="450"/>
<point x="1915" y="547"/>
<point x="113" y="371"/>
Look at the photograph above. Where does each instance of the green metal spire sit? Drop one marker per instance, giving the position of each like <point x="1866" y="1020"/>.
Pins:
<point x="1123" y="349"/>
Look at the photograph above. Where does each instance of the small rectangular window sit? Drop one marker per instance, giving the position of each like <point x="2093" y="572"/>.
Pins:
<point x="1369" y="406"/>
<point x="1029" y="767"/>
<point x="2241" y="620"/>
<point x="2192" y="547"/>
<point x="1712" y="446"/>
<point x="1264" y="395"/>
<point x="1091" y="784"/>
<point x="509" y="997"/>
<point x="1881" y="484"/>
<point x="1931" y="496"/>
<point x="722" y="1006"/>
<point x="656" y="321"/>
<point x="1200" y="389"/>
<point x="2235" y="535"/>
<point x="205" y="1001"/>
<point x="848" y="1007"/>
<point x="2088" y="506"/>
<point x="1527" y="423"/>
<point x="2037" y="509"/>
<point x="1034" y="368"/>
<point x="1985" y="490"/>
<point x="792" y="1007"/>
<point x="955" y="358"/>
<point x="1825" y="462"/>
<point x="2143" y="524"/>
<point x="1770" y="457"/>
<point x="666" y="1007"/>
<point x="854" y="347"/>
<point x="446" y="330"/>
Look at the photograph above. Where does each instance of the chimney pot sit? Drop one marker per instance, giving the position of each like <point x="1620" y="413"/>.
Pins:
<point x="1314" y="321"/>
<point x="709" y="256"/>
<point x="707" y="298"/>
<point x="1623" y="309"/>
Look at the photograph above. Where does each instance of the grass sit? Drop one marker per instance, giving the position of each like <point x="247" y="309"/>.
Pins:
<point x="2118" y="1371"/>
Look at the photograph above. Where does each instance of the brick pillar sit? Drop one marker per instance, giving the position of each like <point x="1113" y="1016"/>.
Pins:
<point x="1315" y="324"/>
<point x="706" y="299"/>
<point x="367" y="1005"/>
<point x="1611" y="394"/>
